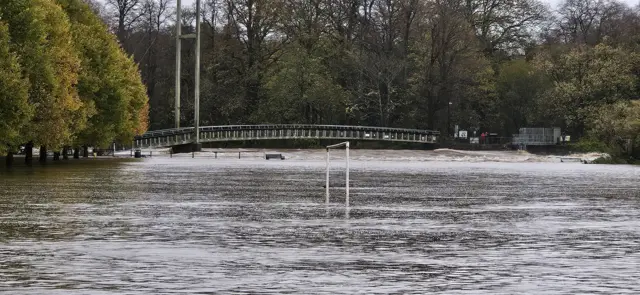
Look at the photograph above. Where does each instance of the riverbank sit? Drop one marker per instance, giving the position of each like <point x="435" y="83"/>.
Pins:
<point x="437" y="155"/>
<point x="258" y="154"/>
<point x="19" y="161"/>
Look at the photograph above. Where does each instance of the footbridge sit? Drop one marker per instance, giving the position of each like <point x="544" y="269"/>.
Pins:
<point x="185" y="136"/>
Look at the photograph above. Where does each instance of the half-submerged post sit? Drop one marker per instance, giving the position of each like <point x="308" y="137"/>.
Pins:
<point x="327" y="182"/>
<point x="347" y="177"/>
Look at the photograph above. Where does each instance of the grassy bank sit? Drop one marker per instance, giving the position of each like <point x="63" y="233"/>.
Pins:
<point x="618" y="154"/>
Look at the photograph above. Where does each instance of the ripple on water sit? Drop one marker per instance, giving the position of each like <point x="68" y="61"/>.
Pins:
<point x="254" y="226"/>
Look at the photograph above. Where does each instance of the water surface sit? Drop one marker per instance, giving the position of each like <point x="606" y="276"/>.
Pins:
<point x="228" y="225"/>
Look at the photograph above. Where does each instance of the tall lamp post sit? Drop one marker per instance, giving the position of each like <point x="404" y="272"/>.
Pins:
<point x="178" y="53"/>
<point x="179" y="38"/>
<point x="196" y="91"/>
<point x="449" y="119"/>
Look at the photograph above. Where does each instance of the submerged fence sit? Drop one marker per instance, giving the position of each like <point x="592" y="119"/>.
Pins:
<point x="538" y="136"/>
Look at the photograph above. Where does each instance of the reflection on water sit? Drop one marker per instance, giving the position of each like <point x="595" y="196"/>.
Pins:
<point x="253" y="226"/>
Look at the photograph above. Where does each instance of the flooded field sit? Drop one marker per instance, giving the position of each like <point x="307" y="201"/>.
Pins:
<point x="419" y="222"/>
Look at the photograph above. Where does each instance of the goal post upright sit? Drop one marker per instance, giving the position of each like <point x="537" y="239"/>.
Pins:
<point x="347" y="177"/>
<point x="327" y="184"/>
<point x="346" y="145"/>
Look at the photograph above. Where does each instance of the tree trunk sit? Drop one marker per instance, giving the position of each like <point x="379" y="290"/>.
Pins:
<point x="85" y="151"/>
<point x="65" y="153"/>
<point x="43" y="154"/>
<point x="121" y="28"/>
<point x="9" y="159"/>
<point x="76" y="152"/>
<point x="28" y="153"/>
<point x="56" y="156"/>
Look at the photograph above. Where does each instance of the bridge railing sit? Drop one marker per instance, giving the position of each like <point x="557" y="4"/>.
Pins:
<point x="164" y="132"/>
<point x="309" y="126"/>
<point x="180" y="136"/>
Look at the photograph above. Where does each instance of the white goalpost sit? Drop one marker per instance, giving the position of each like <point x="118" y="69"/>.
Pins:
<point x="346" y="145"/>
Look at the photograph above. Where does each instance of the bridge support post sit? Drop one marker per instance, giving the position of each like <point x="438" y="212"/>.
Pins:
<point x="196" y="147"/>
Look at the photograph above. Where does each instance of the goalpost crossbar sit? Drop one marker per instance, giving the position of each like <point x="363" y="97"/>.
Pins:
<point x="346" y="145"/>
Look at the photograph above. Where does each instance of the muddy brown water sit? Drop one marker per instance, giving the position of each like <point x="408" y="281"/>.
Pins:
<point x="250" y="226"/>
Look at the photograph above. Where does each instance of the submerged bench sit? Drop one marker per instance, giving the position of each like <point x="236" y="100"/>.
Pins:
<point x="570" y="159"/>
<point x="274" y="156"/>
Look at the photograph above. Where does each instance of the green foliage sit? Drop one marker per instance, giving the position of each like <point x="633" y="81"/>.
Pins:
<point x="617" y="124"/>
<point x="519" y="84"/>
<point x="40" y="36"/>
<point x="109" y="81"/>
<point x="64" y="79"/>
<point x="584" y="79"/>
<point x="590" y="144"/>
<point x="301" y="90"/>
<point x="480" y="102"/>
<point x="15" y="111"/>
<point x="611" y="128"/>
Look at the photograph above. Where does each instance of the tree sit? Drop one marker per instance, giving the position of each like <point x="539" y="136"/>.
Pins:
<point x="519" y="84"/>
<point x="505" y="25"/>
<point x="584" y="79"/>
<point x="253" y="22"/>
<point x="126" y="13"/>
<point x="15" y="109"/>
<point x="614" y="124"/>
<point x="155" y="58"/>
<point x="301" y="91"/>
<point x="441" y="56"/>
<point x="41" y="37"/>
<point x="109" y="81"/>
<point x="588" y="21"/>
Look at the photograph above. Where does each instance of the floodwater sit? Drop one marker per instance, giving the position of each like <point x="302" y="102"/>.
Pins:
<point x="250" y="226"/>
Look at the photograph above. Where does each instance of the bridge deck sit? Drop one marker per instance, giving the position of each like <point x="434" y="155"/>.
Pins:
<point x="180" y="136"/>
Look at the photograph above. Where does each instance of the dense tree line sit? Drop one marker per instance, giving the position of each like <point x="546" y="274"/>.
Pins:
<point x="491" y="65"/>
<point x="65" y="81"/>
